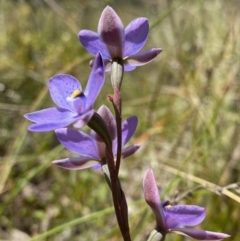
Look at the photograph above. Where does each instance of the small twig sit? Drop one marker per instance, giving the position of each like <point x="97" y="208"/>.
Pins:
<point x="217" y="190"/>
<point x="186" y="194"/>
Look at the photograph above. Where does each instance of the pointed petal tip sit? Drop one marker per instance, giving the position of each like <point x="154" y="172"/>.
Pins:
<point x="126" y="152"/>
<point x="148" y="174"/>
<point x="200" y="234"/>
<point x="99" y="71"/>
<point x="108" y="7"/>
<point x="108" y="10"/>
<point x="143" y="57"/>
<point x="62" y="164"/>
<point x="37" y="128"/>
<point x="98" y="61"/>
<point x="102" y="107"/>
<point x="158" y="50"/>
<point x="26" y="116"/>
<point x="75" y="163"/>
<point x="150" y="188"/>
<point x="29" y="128"/>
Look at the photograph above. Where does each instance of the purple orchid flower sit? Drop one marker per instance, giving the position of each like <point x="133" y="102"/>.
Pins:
<point x="74" y="105"/>
<point x="91" y="148"/>
<point x="116" y="43"/>
<point x="172" y="218"/>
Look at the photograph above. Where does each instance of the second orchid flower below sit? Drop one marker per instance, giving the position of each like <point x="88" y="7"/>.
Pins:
<point x="91" y="148"/>
<point x="171" y="219"/>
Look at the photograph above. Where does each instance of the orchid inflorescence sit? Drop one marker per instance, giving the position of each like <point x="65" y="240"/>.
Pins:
<point x="114" y="49"/>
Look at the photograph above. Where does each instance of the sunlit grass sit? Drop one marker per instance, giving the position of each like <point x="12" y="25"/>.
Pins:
<point x="187" y="102"/>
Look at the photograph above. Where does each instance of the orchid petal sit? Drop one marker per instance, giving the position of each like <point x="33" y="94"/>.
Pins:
<point x="128" y="151"/>
<point x="51" y="119"/>
<point x="49" y="115"/>
<point x="135" y="36"/>
<point x="109" y="119"/>
<point x="78" y="142"/>
<point x="75" y="163"/>
<point x="143" y="58"/>
<point x="116" y="43"/>
<point x="152" y="198"/>
<point x="91" y="42"/>
<point x="111" y="32"/>
<point x="84" y="119"/>
<point x="200" y="234"/>
<point x="95" y="81"/>
<point x="128" y="128"/>
<point x="61" y="87"/>
<point x="181" y="215"/>
<point x="128" y="68"/>
<point x="110" y="122"/>
<point x="44" y="127"/>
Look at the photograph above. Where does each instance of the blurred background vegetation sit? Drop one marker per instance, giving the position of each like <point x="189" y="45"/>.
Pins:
<point x="187" y="101"/>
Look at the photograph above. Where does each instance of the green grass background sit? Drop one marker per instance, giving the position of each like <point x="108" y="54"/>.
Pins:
<point x="187" y="101"/>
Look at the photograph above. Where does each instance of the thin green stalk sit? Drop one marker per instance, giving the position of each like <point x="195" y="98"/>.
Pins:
<point x="72" y="223"/>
